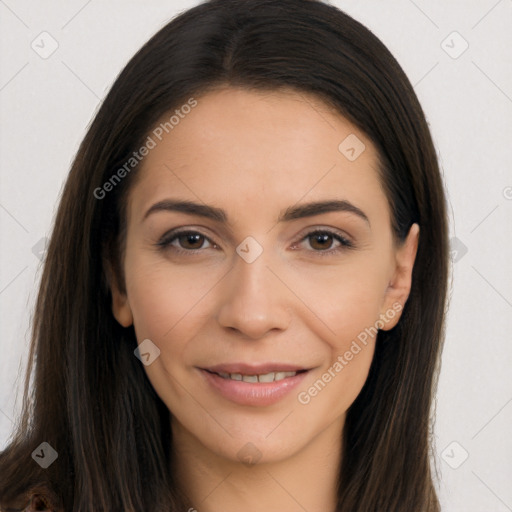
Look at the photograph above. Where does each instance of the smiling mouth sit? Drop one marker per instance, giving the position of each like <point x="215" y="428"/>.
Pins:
<point x="254" y="385"/>
<point x="262" y="377"/>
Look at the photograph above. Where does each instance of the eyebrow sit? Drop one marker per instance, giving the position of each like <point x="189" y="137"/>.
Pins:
<point x="289" y="214"/>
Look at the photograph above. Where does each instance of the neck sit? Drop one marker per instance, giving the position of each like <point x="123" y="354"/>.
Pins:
<point x="307" y="480"/>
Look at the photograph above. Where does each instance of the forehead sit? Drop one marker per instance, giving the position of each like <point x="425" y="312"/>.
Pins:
<point x="267" y="149"/>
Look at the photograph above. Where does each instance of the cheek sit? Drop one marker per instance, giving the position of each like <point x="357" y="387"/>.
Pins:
<point x="351" y="349"/>
<point x="168" y="304"/>
<point x="348" y="314"/>
<point x="332" y="391"/>
<point x="158" y="295"/>
<point x="344" y="298"/>
<point x="155" y="308"/>
<point x="166" y="307"/>
<point x="346" y="303"/>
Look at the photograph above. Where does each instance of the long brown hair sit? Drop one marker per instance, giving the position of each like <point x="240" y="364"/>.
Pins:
<point x="90" y="398"/>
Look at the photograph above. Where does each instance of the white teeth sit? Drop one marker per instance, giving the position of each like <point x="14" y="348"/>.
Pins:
<point x="265" y="377"/>
<point x="283" y="375"/>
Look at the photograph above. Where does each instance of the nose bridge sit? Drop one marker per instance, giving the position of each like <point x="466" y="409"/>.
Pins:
<point x="254" y="301"/>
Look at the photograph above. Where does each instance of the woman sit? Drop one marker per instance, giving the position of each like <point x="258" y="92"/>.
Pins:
<point x="243" y="299"/>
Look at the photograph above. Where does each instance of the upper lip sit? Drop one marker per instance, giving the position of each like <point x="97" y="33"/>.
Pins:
<point x="254" y="369"/>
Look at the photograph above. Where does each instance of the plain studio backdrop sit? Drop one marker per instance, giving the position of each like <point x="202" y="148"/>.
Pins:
<point x="59" y="58"/>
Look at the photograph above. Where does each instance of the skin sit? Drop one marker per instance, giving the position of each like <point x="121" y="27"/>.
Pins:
<point x="254" y="154"/>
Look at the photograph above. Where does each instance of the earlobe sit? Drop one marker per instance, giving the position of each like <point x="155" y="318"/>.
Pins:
<point x="399" y="287"/>
<point x="120" y="306"/>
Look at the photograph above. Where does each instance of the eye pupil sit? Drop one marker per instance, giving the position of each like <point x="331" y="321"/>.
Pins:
<point x="192" y="238"/>
<point x="322" y="238"/>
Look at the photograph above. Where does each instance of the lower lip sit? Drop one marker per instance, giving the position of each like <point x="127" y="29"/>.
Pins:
<point x="255" y="394"/>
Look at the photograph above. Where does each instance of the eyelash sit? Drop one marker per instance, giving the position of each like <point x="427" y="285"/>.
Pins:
<point x="165" y="242"/>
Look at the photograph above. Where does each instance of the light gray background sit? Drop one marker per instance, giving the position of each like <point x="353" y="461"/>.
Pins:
<point x="46" y="105"/>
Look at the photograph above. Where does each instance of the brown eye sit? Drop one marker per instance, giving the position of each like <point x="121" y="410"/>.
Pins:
<point x="185" y="242"/>
<point x="326" y="243"/>
<point x="321" y="241"/>
<point x="191" y="240"/>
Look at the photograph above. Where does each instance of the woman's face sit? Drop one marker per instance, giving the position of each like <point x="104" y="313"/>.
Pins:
<point x="259" y="244"/>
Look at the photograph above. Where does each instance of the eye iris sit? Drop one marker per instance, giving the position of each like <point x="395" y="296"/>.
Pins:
<point x="322" y="238"/>
<point x="191" y="238"/>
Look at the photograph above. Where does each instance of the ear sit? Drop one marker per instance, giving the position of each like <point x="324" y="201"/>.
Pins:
<point x="120" y="305"/>
<point x="399" y="286"/>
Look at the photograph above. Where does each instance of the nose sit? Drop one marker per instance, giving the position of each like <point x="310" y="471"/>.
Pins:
<point x="254" y="301"/>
